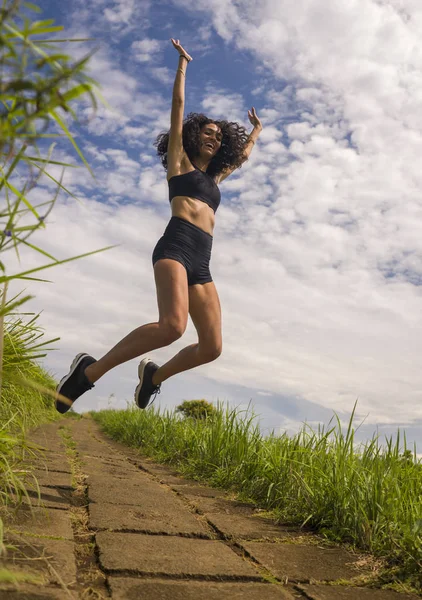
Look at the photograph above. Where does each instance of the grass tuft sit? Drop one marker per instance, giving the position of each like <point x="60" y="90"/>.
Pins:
<point x="21" y="408"/>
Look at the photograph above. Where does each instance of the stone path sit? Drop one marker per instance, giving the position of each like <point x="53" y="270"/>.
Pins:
<point x="115" y="525"/>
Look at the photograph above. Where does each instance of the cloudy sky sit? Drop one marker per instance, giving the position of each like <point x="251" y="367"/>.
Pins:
<point x="317" y="246"/>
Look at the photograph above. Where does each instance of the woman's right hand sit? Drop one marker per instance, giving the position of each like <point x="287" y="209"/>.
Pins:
<point x="180" y="50"/>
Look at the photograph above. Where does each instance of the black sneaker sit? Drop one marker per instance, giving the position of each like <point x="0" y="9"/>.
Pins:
<point x="75" y="383"/>
<point x="145" y="387"/>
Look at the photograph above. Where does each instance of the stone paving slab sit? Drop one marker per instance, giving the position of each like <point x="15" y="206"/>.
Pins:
<point x="54" y="463"/>
<point x="48" y="431"/>
<point x="303" y="562"/>
<point x="134" y="589"/>
<point x="122" y="470"/>
<point x="87" y="445"/>
<point x="50" y="497"/>
<point x="241" y="521"/>
<point x="337" y="592"/>
<point x="170" y="555"/>
<point x="90" y="448"/>
<point x="51" y="560"/>
<point x="48" y="478"/>
<point x="50" y="451"/>
<point x="114" y="446"/>
<point x="107" y="461"/>
<point x="249" y="528"/>
<point x="48" y="439"/>
<point x="135" y="491"/>
<point x="225" y="505"/>
<point x="154" y="468"/>
<point x="155" y="516"/>
<point x="39" y="521"/>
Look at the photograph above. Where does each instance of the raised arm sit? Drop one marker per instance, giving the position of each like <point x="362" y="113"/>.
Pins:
<point x="179" y="83"/>
<point x="253" y="136"/>
<point x="175" y="146"/>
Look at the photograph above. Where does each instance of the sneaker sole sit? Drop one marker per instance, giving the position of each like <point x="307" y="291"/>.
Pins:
<point x="141" y="370"/>
<point x="73" y="366"/>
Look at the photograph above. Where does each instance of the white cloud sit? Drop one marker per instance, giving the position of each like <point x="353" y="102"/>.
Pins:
<point x="219" y="104"/>
<point x="163" y="75"/>
<point x="120" y="12"/>
<point x="119" y="16"/>
<point x="146" y="49"/>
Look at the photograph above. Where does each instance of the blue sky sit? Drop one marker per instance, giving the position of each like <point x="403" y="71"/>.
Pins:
<point x="317" y="245"/>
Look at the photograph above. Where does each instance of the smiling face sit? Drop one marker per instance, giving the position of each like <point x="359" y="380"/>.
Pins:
<point x="211" y="137"/>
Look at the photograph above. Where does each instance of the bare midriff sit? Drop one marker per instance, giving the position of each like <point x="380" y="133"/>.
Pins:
<point x="195" y="211"/>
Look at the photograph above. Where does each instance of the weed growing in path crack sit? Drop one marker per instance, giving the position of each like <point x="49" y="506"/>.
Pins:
<point x="89" y="575"/>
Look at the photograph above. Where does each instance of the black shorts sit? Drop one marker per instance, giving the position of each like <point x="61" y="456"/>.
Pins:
<point x="188" y="244"/>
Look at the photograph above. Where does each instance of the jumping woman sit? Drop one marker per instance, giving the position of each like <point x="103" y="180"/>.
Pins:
<point x="198" y="154"/>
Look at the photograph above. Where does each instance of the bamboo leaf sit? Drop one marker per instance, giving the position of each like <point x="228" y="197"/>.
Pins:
<point x="10" y="307"/>
<point x="40" y="250"/>
<point x="64" y="127"/>
<point x="55" y="181"/>
<point x="19" y="195"/>
<point x="40" y="30"/>
<point x="45" y="23"/>
<point x="12" y="166"/>
<point x="55" y="41"/>
<point x="31" y="6"/>
<point x="35" y="279"/>
<point x="76" y="92"/>
<point x="42" y="61"/>
<point x="51" y="162"/>
<point x="62" y="262"/>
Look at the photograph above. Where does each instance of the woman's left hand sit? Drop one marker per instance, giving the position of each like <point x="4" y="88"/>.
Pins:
<point x="253" y="118"/>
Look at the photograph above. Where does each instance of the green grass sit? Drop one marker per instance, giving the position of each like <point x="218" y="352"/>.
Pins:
<point x="368" y="495"/>
<point x="21" y="407"/>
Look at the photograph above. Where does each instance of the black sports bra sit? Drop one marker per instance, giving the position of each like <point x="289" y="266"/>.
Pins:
<point x="195" y="184"/>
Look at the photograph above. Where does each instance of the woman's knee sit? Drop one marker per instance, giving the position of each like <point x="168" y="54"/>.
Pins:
<point x="173" y="330"/>
<point x="210" y="353"/>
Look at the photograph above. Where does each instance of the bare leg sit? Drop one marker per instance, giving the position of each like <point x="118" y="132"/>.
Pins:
<point x="139" y="341"/>
<point x="172" y="297"/>
<point x="204" y="308"/>
<point x="188" y="358"/>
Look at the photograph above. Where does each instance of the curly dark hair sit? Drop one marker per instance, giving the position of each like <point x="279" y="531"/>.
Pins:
<point x="230" y="154"/>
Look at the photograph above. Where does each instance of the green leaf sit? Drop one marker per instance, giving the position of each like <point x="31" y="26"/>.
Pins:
<point x="45" y="23"/>
<point x="55" y="41"/>
<point x="42" y="61"/>
<point x="46" y="30"/>
<point x="4" y="278"/>
<point x="51" y="162"/>
<point x="10" y="307"/>
<point x="35" y="279"/>
<point x="76" y="92"/>
<point x="55" y="180"/>
<point x="12" y="166"/>
<point x="19" y="195"/>
<point x="19" y="85"/>
<point x="34" y="47"/>
<point x="64" y="127"/>
<point x="39" y="250"/>
<point x="31" y="6"/>
<point x="40" y="135"/>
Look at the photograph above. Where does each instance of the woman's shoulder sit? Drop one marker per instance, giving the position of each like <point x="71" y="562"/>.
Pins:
<point x="180" y="168"/>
